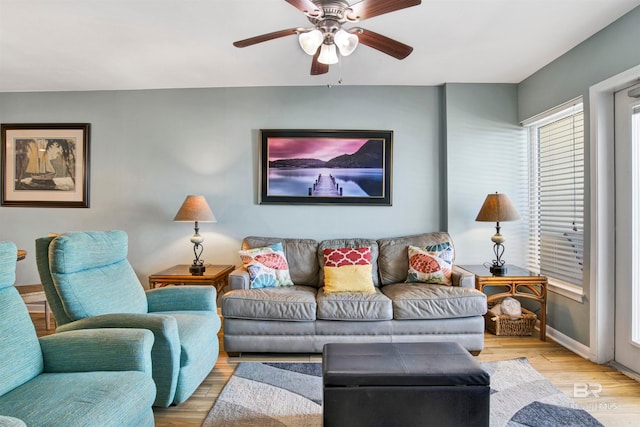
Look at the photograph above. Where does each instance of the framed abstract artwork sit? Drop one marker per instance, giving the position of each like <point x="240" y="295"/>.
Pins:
<point x="45" y="165"/>
<point x="326" y="167"/>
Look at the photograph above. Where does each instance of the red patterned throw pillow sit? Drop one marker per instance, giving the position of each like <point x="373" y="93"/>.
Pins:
<point x="348" y="270"/>
<point x="337" y="257"/>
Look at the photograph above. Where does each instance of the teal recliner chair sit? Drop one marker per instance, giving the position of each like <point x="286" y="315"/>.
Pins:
<point x="90" y="284"/>
<point x="76" y="378"/>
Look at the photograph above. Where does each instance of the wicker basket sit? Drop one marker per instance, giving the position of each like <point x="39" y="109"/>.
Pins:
<point x="504" y="325"/>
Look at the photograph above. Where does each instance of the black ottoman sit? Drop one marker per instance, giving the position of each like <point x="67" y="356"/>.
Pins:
<point x="404" y="384"/>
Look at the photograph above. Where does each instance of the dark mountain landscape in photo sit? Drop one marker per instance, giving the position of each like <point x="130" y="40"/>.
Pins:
<point x="370" y="155"/>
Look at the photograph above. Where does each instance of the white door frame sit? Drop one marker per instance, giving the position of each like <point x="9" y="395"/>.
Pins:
<point x="601" y="239"/>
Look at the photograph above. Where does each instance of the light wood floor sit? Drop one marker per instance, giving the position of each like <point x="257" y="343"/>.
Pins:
<point x="618" y="403"/>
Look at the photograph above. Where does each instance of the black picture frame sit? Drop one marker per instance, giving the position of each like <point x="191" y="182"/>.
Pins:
<point x="45" y="165"/>
<point x="351" y="167"/>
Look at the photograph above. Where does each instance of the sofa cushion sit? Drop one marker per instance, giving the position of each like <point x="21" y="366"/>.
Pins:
<point x="354" y="306"/>
<point x="413" y="301"/>
<point x="393" y="260"/>
<point x="301" y="255"/>
<point x="289" y="303"/>
<point x="82" y="398"/>
<point x="350" y="243"/>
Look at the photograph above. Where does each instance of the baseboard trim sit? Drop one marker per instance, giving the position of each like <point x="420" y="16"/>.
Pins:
<point x="568" y="343"/>
<point x="626" y="371"/>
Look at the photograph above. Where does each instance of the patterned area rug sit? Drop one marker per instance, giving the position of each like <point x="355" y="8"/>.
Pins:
<point x="290" y="395"/>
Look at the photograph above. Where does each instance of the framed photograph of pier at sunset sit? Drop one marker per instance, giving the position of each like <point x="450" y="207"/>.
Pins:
<point x="45" y="165"/>
<point x="326" y="167"/>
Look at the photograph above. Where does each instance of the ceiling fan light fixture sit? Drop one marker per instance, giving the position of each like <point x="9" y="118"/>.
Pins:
<point x="345" y="41"/>
<point x="328" y="54"/>
<point x="310" y="41"/>
<point x="326" y="37"/>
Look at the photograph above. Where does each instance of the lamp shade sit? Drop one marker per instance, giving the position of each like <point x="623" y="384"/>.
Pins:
<point x="195" y="208"/>
<point x="496" y="208"/>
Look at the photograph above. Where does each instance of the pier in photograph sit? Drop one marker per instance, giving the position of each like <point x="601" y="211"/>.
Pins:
<point x="325" y="186"/>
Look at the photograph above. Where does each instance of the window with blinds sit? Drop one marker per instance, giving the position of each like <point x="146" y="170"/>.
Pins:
<point x="556" y="195"/>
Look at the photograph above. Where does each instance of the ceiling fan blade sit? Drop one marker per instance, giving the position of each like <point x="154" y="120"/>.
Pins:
<point x="370" y="8"/>
<point x="305" y="6"/>
<point x="318" y="68"/>
<point x="382" y="43"/>
<point x="265" y="37"/>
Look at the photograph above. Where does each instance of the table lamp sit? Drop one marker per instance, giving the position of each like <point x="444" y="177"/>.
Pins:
<point x="195" y="208"/>
<point x="497" y="207"/>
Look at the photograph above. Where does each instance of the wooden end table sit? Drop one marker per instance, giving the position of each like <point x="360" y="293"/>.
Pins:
<point x="32" y="294"/>
<point x="517" y="283"/>
<point x="214" y="275"/>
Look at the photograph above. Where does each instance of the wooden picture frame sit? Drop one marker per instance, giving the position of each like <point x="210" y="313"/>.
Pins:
<point x="326" y="167"/>
<point x="45" y="165"/>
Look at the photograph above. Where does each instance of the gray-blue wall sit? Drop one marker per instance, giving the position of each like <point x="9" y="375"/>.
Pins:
<point x="611" y="51"/>
<point x="149" y="149"/>
<point x="486" y="153"/>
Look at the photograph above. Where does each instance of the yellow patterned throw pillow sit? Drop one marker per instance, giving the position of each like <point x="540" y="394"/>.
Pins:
<point x="348" y="270"/>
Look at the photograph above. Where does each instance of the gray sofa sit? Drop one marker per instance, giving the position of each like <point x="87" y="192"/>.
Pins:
<point x="302" y="318"/>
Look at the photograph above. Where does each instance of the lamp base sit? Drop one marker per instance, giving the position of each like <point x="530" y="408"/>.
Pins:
<point x="197" y="269"/>
<point x="498" y="270"/>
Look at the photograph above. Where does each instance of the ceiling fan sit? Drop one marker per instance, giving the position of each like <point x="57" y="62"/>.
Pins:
<point x="327" y="37"/>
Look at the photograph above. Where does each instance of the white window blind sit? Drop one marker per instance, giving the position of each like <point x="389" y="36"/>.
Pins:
<point x="556" y="196"/>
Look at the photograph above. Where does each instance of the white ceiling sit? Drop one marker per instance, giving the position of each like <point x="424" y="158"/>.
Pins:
<point x="69" y="45"/>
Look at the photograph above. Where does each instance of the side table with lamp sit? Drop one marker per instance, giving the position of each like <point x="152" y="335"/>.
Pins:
<point x="507" y="281"/>
<point x="194" y="208"/>
<point x="178" y="275"/>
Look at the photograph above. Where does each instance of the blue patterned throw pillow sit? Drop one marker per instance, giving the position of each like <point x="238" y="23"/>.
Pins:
<point x="267" y="266"/>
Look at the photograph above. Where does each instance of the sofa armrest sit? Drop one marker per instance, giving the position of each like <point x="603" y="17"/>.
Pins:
<point x="166" y="347"/>
<point x="155" y="322"/>
<point x="180" y="298"/>
<point x="163" y="326"/>
<point x="90" y="350"/>
<point x="239" y="279"/>
<point x="461" y="277"/>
